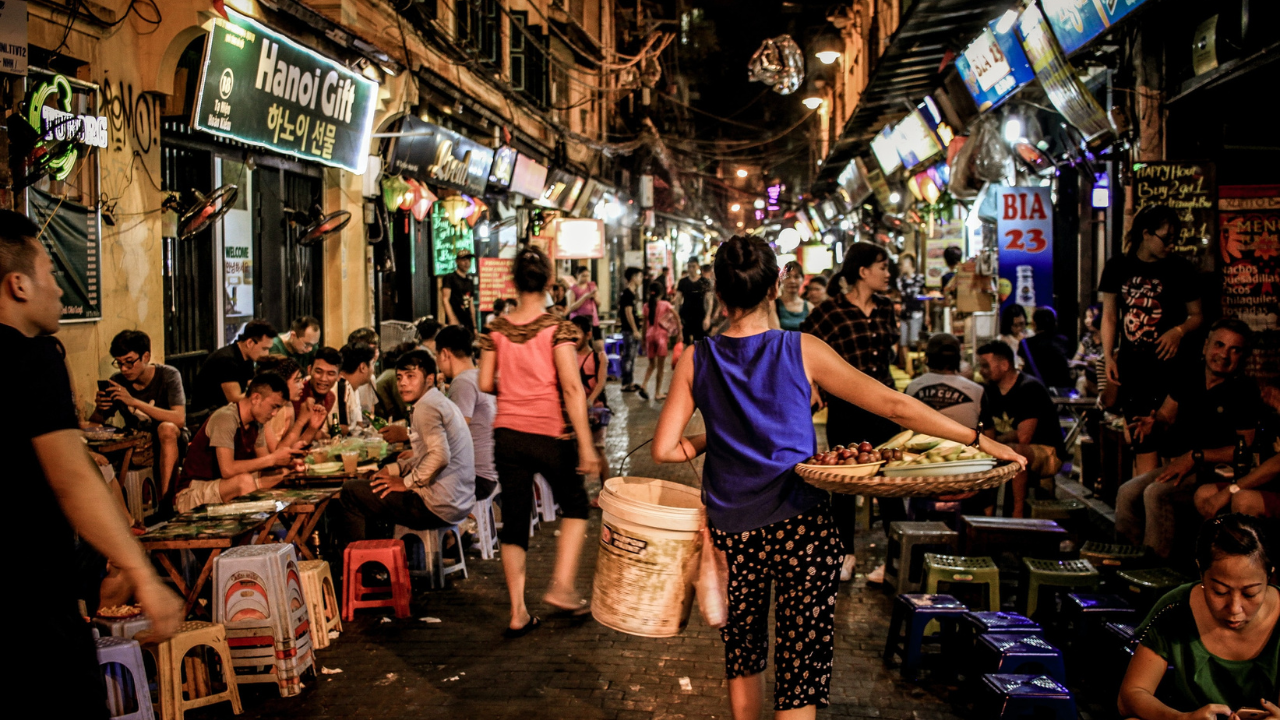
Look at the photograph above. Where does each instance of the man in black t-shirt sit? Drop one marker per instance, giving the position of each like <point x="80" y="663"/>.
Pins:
<point x="458" y="294"/>
<point x="58" y="492"/>
<point x="629" y="320"/>
<point x="693" y="301"/>
<point x="1017" y="411"/>
<point x="228" y="370"/>
<point x="1198" y="425"/>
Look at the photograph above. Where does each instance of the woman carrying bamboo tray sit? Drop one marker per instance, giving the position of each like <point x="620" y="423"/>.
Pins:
<point x="753" y="387"/>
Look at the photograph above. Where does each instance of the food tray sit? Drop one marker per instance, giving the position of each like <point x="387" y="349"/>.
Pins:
<point x="918" y="486"/>
<point x="862" y="470"/>
<point x="953" y="467"/>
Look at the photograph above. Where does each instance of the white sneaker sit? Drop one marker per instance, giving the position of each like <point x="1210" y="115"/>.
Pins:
<point x="847" y="568"/>
<point x="876" y="576"/>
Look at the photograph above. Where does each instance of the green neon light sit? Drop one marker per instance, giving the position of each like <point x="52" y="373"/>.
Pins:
<point x="62" y="166"/>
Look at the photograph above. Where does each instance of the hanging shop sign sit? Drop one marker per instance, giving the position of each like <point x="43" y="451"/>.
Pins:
<point x="495" y="280"/>
<point x="1058" y="78"/>
<point x="916" y="141"/>
<point x="884" y="146"/>
<point x="71" y="237"/>
<point x="993" y="66"/>
<point x="561" y="191"/>
<point x="448" y="238"/>
<point x="1188" y="188"/>
<point x="590" y="196"/>
<point x="49" y="112"/>
<point x="529" y="177"/>
<point x="1024" y="229"/>
<point x="579" y="238"/>
<point x="13" y="37"/>
<point x="1076" y="22"/>
<point x="1249" y="245"/>
<point x="854" y="180"/>
<point x="432" y="154"/>
<point x="262" y="88"/>
<point x="504" y="166"/>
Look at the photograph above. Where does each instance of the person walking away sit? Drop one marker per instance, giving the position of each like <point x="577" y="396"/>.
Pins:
<point x="910" y="285"/>
<point x="584" y="301"/>
<point x="1149" y="304"/>
<point x="632" y="335"/>
<point x="693" y="303"/>
<point x="662" y="323"/>
<point x="458" y="293"/>
<point x="863" y="329"/>
<point x="57" y="489"/>
<point x="593" y="369"/>
<point x="777" y="531"/>
<point x="791" y="308"/>
<point x="528" y="361"/>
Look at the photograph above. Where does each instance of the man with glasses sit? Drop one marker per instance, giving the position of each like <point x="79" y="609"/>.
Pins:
<point x="300" y="343"/>
<point x="1149" y="303"/>
<point x="147" y="395"/>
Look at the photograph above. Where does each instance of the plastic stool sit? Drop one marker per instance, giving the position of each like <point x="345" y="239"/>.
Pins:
<point x="140" y="494"/>
<point x="544" y="500"/>
<point x="1070" y="509"/>
<point x="1088" y="611"/>
<point x="615" y="365"/>
<point x="1057" y="573"/>
<point x="390" y="554"/>
<point x="959" y="569"/>
<point x="973" y="625"/>
<point x="1106" y="556"/>
<point x="1022" y="654"/>
<point x="908" y="542"/>
<point x="487" y="525"/>
<point x="170" y="657"/>
<point x="432" y="542"/>
<point x="1011" y="697"/>
<point x="1143" y="587"/>
<point x="125" y="675"/>
<point x="1022" y="536"/>
<point x="912" y="613"/>
<point x="122" y="627"/>
<point x="322" y="601"/>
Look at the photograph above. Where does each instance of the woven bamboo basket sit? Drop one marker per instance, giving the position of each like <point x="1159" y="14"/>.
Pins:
<point x="881" y="486"/>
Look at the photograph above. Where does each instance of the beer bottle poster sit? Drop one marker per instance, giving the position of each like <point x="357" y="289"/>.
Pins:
<point x="1249" y="248"/>
<point x="1024" y="229"/>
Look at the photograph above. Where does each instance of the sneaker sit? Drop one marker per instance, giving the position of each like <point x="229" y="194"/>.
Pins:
<point x="847" y="567"/>
<point x="643" y="393"/>
<point x="876" y="576"/>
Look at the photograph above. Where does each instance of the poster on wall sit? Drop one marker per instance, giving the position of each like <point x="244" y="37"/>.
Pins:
<point x="71" y="238"/>
<point x="13" y="37"/>
<point x="935" y="263"/>
<point x="447" y="240"/>
<point x="1249" y="244"/>
<point x="1188" y="188"/>
<point x="1024" y="229"/>
<point x="495" y="280"/>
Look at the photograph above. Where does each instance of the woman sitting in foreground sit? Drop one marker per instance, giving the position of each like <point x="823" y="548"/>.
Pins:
<point x="1219" y="635"/>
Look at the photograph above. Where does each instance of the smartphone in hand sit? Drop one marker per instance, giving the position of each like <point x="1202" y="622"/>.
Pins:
<point x="1252" y="714"/>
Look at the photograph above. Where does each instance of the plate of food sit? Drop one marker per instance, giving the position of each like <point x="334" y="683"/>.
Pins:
<point x="119" y="612"/>
<point x="324" y="468"/>
<point x="854" y="461"/>
<point x="99" y="433"/>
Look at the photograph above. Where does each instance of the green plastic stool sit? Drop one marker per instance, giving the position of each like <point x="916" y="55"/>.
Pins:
<point x="1056" y="509"/>
<point x="1142" y="587"/>
<point x="1056" y="573"/>
<point x="959" y="569"/>
<point x="1115" y="557"/>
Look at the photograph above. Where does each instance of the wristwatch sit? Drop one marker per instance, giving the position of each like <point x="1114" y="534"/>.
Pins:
<point x="1233" y="488"/>
<point x="1197" y="456"/>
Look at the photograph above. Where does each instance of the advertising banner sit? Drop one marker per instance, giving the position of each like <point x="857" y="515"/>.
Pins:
<point x="1188" y="188"/>
<point x="432" y="154"/>
<point x="1059" y="79"/>
<point x="1076" y="22"/>
<point x="262" y="88"/>
<point x="71" y="238"/>
<point x="1024" y="226"/>
<point x="495" y="280"/>
<point x="1249" y="243"/>
<point x="993" y="66"/>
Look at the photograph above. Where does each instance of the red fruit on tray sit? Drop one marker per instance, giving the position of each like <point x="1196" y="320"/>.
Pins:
<point x="866" y="447"/>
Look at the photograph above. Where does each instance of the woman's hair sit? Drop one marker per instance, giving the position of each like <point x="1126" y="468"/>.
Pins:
<point x="1007" y="316"/>
<point x="1046" y="320"/>
<point x="584" y="324"/>
<point x="1150" y="219"/>
<point x="861" y="255"/>
<point x="579" y="269"/>
<point x="532" y="270"/>
<point x="1233" y="535"/>
<point x="792" y="265"/>
<point x="1096" y="322"/>
<point x="499" y="305"/>
<point x="655" y="294"/>
<point x="746" y="268"/>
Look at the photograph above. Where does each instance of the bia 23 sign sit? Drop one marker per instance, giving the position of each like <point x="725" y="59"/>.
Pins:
<point x="264" y="89"/>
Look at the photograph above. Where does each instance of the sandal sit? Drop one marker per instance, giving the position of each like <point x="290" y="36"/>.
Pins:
<point x="577" y="609"/>
<point x="513" y="633"/>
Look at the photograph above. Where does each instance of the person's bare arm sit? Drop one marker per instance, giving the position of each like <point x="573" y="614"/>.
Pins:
<point x="669" y="446"/>
<point x="230" y="466"/>
<point x="1110" y="325"/>
<point x="177" y="416"/>
<point x="677" y="301"/>
<point x="1027" y="430"/>
<point x="602" y="367"/>
<point x="82" y="495"/>
<point x="232" y="391"/>
<point x="577" y="303"/>
<point x="1137" y="697"/>
<point x="487" y="382"/>
<point x="450" y="318"/>
<point x="575" y="403"/>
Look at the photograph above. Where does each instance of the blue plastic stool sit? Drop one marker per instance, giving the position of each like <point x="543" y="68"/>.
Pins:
<point x="911" y="614"/>
<point x="615" y="366"/>
<point x="975" y="624"/>
<point x="1022" y="654"/>
<point x="1088" y="611"/>
<point x="1011" y="697"/>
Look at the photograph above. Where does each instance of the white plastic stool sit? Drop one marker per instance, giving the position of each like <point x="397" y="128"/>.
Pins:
<point x="487" y="525"/>
<point x="124" y="674"/>
<point x="544" y="500"/>
<point x="433" y="557"/>
<point x="139" y="488"/>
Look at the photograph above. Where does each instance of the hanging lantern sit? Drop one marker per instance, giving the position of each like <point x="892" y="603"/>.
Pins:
<point x="412" y="188"/>
<point x="478" y="208"/>
<point x="393" y="190"/>
<point x="456" y="209"/>
<point x="422" y="202"/>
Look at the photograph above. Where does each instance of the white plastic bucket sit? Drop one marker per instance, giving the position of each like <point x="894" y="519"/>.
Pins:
<point x="649" y="549"/>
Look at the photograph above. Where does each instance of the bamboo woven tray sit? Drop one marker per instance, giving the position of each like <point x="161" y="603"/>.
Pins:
<point x="880" y="486"/>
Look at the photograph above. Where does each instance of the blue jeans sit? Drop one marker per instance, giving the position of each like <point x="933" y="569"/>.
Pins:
<point x="629" y="347"/>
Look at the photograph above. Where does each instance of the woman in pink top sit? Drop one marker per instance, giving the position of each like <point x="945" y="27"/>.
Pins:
<point x="584" y="300"/>
<point x="529" y="359"/>
<point x="661" y="322"/>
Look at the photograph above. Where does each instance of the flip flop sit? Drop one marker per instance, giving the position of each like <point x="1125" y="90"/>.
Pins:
<point x="583" y="607"/>
<point x="513" y="633"/>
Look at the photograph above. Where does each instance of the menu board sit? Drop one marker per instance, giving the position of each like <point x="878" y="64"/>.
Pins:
<point x="1249" y="244"/>
<point x="448" y="239"/>
<point x="1188" y="188"/>
<point x="71" y="238"/>
<point x="1064" y="89"/>
<point x="495" y="280"/>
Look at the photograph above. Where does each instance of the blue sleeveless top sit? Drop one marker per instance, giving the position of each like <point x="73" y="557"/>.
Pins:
<point x="754" y="399"/>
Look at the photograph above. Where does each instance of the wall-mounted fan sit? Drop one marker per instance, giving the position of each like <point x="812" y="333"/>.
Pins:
<point x="207" y="209"/>
<point x="324" y="226"/>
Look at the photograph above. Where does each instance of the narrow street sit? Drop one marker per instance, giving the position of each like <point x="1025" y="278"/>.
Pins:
<point x="462" y="668"/>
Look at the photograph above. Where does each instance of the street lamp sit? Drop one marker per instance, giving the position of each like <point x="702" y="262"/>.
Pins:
<point x="813" y="102"/>
<point x="828" y="48"/>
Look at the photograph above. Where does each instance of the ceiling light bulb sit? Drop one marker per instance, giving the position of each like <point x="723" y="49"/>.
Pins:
<point x="828" y="56"/>
<point x="812" y="102"/>
<point x="735" y="207"/>
<point x="894" y="197"/>
<point x="742" y="172"/>
<point x="758" y="204"/>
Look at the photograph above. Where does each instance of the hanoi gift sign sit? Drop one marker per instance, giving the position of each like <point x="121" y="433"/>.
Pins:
<point x="264" y="89"/>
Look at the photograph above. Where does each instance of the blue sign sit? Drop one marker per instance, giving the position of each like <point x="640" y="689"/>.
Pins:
<point x="993" y="66"/>
<point x="1024" y="224"/>
<point x="1076" y="22"/>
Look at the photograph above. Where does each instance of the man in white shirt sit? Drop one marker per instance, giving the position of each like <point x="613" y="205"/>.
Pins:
<point x="355" y="373"/>
<point x="457" y="364"/>
<point x="433" y="484"/>
<point x="943" y="388"/>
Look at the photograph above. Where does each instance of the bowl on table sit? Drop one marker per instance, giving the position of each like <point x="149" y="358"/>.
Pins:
<point x="325" y="468"/>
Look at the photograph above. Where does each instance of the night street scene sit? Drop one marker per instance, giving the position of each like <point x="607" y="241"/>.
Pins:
<point x="641" y="360"/>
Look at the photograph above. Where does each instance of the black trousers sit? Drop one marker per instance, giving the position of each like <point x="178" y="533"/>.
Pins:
<point x="360" y="505"/>
<point x="519" y="457"/>
<point x="848" y="424"/>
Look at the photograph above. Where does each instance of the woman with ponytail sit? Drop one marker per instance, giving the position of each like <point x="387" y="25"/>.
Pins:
<point x="661" y="323"/>
<point x="753" y="387"/>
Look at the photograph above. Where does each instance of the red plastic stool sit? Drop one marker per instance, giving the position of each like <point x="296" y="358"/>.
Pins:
<point x="390" y="553"/>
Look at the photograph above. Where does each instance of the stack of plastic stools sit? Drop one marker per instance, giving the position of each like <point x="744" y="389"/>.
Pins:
<point x="1055" y="573"/>
<point x="908" y="542"/>
<point x="125" y="676"/>
<point x="912" y="614"/>
<point x="1143" y="587"/>
<point x="1015" y="697"/>
<point x="390" y="554"/>
<point x="1069" y="509"/>
<point x="258" y="597"/>
<point x="322" y="601"/>
<point x="1023" y="537"/>
<point x="956" y="570"/>
<point x="1020" y="653"/>
<point x="544" y="500"/>
<point x="487" y="525"/>
<point x="972" y="625"/>
<point x="122" y="627"/>
<point x="426" y="555"/>
<point x="1087" y="612"/>
<point x="1108" y="559"/>
<point x="171" y="657"/>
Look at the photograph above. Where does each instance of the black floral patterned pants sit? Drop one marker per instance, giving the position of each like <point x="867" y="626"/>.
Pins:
<point x="800" y="559"/>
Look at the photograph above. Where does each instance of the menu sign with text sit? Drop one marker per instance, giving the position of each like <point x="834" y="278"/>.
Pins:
<point x="1249" y="244"/>
<point x="495" y="280"/>
<point x="1188" y="188"/>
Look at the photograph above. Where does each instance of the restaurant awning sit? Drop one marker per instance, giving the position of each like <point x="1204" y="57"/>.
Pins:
<point x="908" y="70"/>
